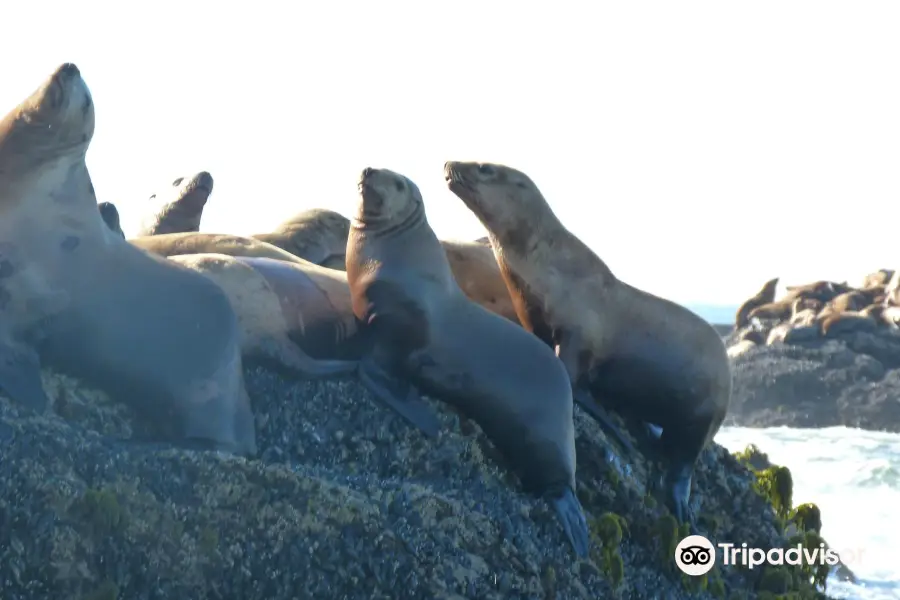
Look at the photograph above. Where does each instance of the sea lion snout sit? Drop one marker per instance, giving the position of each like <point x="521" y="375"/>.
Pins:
<point x="68" y="70"/>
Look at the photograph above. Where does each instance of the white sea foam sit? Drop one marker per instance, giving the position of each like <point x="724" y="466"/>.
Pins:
<point x="854" y="477"/>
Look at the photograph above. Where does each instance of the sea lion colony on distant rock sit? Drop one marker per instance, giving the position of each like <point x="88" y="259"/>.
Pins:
<point x="411" y="314"/>
<point x="818" y="310"/>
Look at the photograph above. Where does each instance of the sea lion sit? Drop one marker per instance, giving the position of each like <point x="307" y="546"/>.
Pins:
<point x="773" y="311"/>
<point x="850" y="301"/>
<point x="171" y="244"/>
<point x="76" y="297"/>
<point x="740" y="348"/>
<point x="475" y="269"/>
<point x="320" y="236"/>
<point x="878" y="279"/>
<point x="765" y="295"/>
<point x="789" y="334"/>
<point x="820" y="290"/>
<point x="288" y="313"/>
<point x="891" y="316"/>
<point x="752" y="335"/>
<point x="644" y="355"/>
<point x="178" y="207"/>
<point x="317" y="235"/>
<point x="427" y="334"/>
<point x="892" y="290"/>
<point x="110" y="215"/>
<point x="836" y="323"/>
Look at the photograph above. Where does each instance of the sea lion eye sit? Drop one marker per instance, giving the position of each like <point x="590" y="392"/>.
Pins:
<point x="486" y="170"/>
<point x="178" y="181"/>
<point x="399" y="185"/>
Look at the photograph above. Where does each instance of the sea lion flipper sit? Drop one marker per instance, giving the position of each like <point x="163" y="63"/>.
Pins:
<point x="584" y="399"/>
<point x="20" y="377"/>
<point x="571" y="517"/>
<point x="678" y="484"/>
<point x="400" y="395"/>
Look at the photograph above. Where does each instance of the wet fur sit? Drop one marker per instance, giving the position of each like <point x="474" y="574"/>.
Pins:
<point x="172" y="244"/>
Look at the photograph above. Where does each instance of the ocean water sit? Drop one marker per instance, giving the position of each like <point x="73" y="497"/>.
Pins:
<point x="854" y="477"/>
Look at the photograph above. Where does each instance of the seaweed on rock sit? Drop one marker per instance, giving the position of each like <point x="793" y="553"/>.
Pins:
<point x="344" y="501"/>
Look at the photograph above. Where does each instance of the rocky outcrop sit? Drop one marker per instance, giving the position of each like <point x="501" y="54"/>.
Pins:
<point x="344" y="501"/>
<point x="851" y="378"/>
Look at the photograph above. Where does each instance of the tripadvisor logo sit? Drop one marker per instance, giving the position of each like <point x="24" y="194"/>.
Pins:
<point x="695" y="555"/>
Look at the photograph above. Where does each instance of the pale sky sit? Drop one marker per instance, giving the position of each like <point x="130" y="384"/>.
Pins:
<point x="699" y="148"/>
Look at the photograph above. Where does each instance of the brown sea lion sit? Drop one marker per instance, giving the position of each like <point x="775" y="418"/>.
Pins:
<point x="290" y="315"/>
<point x="644" y="355"/>
<point x="428" y="335"/>
<point x="172" y="244"/>
<point x="740" y="347"/>
<point x="836" y="323"/>
<point x="317" y="235"/>
<point x="878" y="279"/>
<point x="752" y="335"/>
<point x="773" y="311"/>
<point x="110" y="215"/>
<point x="850" y="301"/>
<point x="178" y="207"/>
<point x="820" y="290"/>
<point x="77" y="298"/>
<point x="765" y="295"/>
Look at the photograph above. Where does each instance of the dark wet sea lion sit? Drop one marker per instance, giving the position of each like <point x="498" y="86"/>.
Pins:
<point x="643" y="355"/>
<point x="427" y="335"/>
<point x="318" y="235"/>
<point x="765" y="295"/>
<point x="178" y="207"/>
<point x="76" y="297"/>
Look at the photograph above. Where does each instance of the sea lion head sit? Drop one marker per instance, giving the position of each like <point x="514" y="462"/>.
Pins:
<point x="55" y="123"/>
<point x="191" y="192"/>
<point x="490" y="190"/>
<point x="387" y="197"/>
<point x="110" y="215"/>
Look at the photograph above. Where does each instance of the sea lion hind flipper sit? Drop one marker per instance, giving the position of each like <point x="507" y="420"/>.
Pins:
<point x="399" y="395"/>
<point x="571" y="517"/>
<point x="20" y="377"/>
<point x="584" y="399"/>
<point x="678" y="490"/>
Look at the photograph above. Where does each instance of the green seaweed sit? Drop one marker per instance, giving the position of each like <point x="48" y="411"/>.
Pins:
<point x="776" y="484"/>
<point x="608" y="530"/>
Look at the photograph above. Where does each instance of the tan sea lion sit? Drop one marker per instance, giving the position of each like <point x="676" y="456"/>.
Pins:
<point x="878" y="279"/>
<point x="178" y="207"/>
<point x="789" y="334"/>
<point x="77" y="298"/>
<point x="475" y="270"/>
<point x="428" y="335"/>
<point x="172" y="244"/>
<point x="296" y="318"/>
<point x="644" y="355"/>
<point x="317" y="235"/>
<point x="110" y="215"/>
<point x="765" y="295"/>
<point x="320" y="236"/>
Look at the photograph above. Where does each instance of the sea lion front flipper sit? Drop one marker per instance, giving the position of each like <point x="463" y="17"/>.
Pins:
<point x="20" y="377"/>
<point x="400" y="395"/>
<point x="571" y="517"/>
<point x="678" y="488"/>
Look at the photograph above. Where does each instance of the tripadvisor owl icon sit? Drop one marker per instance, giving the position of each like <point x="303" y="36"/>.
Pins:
<point x="695" y="555"/>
